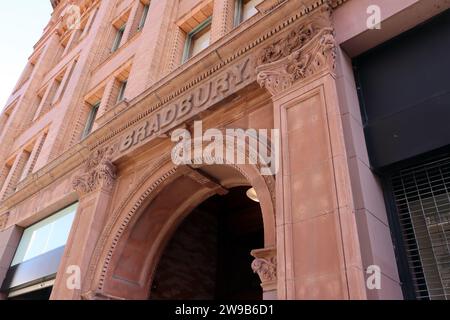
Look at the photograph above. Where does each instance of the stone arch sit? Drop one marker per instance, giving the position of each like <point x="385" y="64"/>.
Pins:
<point x="109" y="278"/>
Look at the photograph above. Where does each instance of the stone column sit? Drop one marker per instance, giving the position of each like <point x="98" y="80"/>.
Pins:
<point x="317" y="240"/>
<point x="151" y="51"/>
<point x="131" y="27"/>
<point x="109" y="98"/>
<point x="222" y="21"/>
<point x="94" y="187"/>
<point x="265" y="265"/>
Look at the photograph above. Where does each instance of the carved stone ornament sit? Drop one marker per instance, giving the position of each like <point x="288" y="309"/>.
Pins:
<point x="99" y="172"/>
<point x="265" y="265"/>
<point x="304" y="51"/>
<point x="4" y="220"/>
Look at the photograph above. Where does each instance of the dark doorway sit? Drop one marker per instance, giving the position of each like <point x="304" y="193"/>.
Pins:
<point x="209" y="255"/>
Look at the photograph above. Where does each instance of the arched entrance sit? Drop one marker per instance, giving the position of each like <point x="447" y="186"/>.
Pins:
<point x="126" y="261"/>
<point x="209" y="257"/>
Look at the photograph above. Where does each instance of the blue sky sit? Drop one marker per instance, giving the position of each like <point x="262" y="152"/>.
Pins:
<point x="21" y="25"/>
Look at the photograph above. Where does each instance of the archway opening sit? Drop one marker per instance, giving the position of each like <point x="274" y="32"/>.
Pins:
<point x="208" y="256"/>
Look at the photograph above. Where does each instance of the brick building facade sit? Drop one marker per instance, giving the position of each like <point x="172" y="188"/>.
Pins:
<point x="87" y="182"/>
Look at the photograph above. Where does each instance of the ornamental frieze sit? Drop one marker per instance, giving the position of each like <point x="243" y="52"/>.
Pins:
<point x="99" y="171"/>
<point x="202" y="97"/>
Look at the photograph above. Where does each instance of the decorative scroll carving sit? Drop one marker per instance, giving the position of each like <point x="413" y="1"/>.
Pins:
<point x="305" y="51"/>
<point x="265" y="265"/>
<point x="4" y="220"/>
<point x="99" y="172"/>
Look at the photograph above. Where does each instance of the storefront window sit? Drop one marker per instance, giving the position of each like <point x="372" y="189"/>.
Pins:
<point x="45" y="236"/>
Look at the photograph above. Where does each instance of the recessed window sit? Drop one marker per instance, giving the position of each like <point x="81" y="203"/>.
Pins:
<point x="198" y="40"/>
<point x="143" y="17"/>
<point x="245" y="9"/>
<point x="45" y="236"/>
<point x="122" y="88"/>
<point x="118" y="39"/>
<point x="38" y="256"/>
<point x="91" y="120"/>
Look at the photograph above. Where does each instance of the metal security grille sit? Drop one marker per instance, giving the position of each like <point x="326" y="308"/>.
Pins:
<point x="422" y="196"/>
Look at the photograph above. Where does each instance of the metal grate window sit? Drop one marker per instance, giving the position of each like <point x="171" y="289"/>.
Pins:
<point x="422" y="197"/>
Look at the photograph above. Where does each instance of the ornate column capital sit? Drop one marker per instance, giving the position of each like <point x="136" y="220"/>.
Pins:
<point x="99" y="172"/>
<point x="265" y="265"/>
<point x="306" y="50"/>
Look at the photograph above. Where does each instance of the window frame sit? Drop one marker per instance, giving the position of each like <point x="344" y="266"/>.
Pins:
<point x="119" y="37"/>
<point x="121" y="94"/>
<point x="91" y="120"/>
<point x="238" y="12"/>
<point x="190" y="36"/>
<point x="144" y="17"/>
<point x="50" y="220"/>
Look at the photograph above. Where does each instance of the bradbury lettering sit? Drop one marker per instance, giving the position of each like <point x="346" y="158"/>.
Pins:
<point x="197" y="100"/>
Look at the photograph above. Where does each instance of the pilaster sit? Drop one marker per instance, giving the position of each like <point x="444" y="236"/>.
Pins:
<point x="94" y="186"/>
<point x="317" y="239"/>
<point x="109" y="97"/>
<point x="131" y="27"/>
<point x="222" y="22"/>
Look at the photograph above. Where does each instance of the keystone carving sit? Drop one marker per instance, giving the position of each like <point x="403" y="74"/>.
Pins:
<point x="303" y="52"/>
<point x="99" y="171"/>
<point x="265" y="265"/>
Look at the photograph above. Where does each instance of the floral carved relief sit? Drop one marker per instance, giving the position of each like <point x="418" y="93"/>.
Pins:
<point x="304" y="51"/>
<point x="265" y="265"/>
<point x="99" y="171"/>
